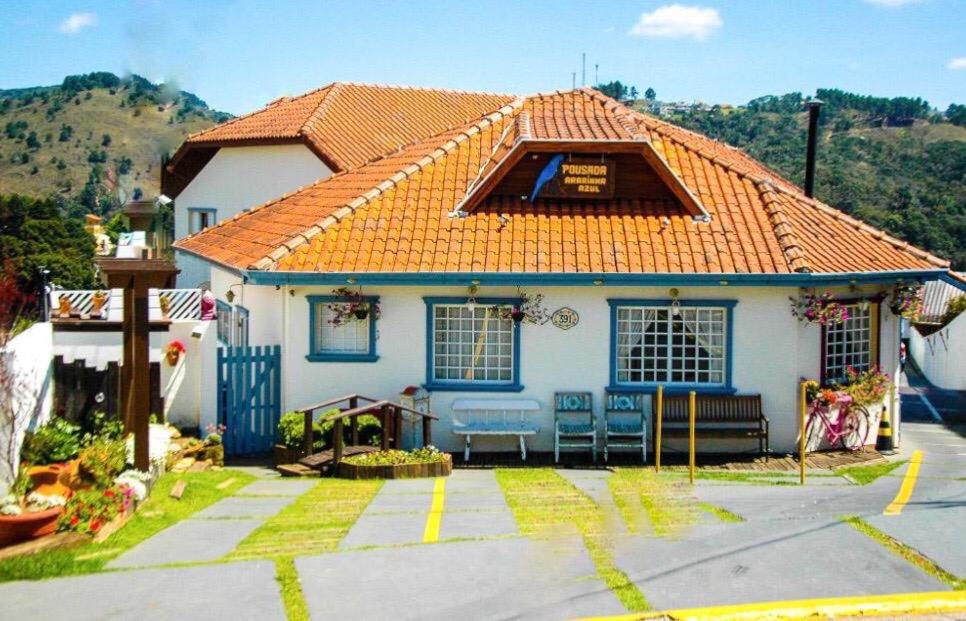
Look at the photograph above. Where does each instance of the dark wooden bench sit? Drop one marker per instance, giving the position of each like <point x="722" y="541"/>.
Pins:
<point x="717" y="416"/>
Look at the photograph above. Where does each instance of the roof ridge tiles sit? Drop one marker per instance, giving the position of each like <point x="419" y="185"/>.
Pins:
<point x="866" y="228"/>
<point x="272" y="259"/>
<point x="784" y="231"/>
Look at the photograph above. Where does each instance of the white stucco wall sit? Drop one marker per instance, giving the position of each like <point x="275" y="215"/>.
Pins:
<point x="771" y="350"/>
<point x="239" y="178"/>
<point x="942" y="355"/>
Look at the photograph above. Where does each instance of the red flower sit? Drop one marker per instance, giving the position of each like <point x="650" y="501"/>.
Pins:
<point x="74" y="520"/>
<point x="109" y="493"/>
<point x="95" y="525"/>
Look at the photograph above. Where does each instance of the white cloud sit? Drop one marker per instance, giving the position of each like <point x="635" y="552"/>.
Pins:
<point x="957" y="64"/>
<point x="678" y="21"/>
<point x="77" y="22"/>
<point x="891" y="3"/>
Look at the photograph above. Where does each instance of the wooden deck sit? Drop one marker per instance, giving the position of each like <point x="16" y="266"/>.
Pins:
<point x="676" y="461"/>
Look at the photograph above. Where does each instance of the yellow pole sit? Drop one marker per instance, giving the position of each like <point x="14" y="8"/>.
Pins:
<point x="692" y="408"/>
<point x="659" y="415"/>
<point x="892" y="418"/>
<point x="801" y="436"/>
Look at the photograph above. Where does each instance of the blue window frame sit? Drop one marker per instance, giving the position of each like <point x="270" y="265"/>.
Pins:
<point x="223" y="318"/>
<point x="241" y="327"/>
<point x="468" y="348"/>
<point x="200" y="218"/>
<point x="683" y="348"/>
<point x="351" y="342"/>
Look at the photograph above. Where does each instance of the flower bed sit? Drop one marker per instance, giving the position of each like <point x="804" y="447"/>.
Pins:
<point x="393" y="464"/>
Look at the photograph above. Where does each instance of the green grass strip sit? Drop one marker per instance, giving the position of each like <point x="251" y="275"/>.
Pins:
<point x="546" y="505"/>
<point x="158" y="512"/>
<point x="721" y="513"/>
<point x="316" y="522"/>
<point x="291" y="588"/>
<point x="644" y="497"/>
<point x="910" y="554"/>
<point x="863" y="475"/>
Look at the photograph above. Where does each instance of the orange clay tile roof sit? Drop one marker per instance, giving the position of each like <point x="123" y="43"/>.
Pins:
<point x="347" y="124"/>
<point x="394" y="213"/>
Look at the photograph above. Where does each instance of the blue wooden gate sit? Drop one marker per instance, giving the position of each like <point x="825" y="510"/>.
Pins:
<point x="249" y="397"/>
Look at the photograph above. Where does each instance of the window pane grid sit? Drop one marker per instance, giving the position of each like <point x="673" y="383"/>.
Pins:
<point x="471" y="344"/>
<point x="347" y="338"/>
<point x="656" y="346"/>
<point x="849" y="343"/>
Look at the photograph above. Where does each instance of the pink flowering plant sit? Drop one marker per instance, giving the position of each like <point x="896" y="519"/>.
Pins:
<point x="821" y="309"/>
<point x="906" y="301"/>
<point x="530" y="308"/>
<point x="352" y="306"/>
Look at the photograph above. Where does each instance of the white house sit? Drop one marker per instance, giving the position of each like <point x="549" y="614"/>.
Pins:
<point x="668" y="258"/>
<point x="937" y="343"/>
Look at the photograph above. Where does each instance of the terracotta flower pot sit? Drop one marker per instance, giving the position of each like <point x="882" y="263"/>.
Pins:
<point x="47" y="479"/>
<point x="70" y="476"/>
<point x="172" y="356"/>
<point x="17" y="528"/>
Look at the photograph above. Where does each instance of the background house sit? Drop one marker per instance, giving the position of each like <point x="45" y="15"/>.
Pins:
<point x="937" y="340"/>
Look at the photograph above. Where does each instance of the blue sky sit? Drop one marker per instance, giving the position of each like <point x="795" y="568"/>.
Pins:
<point x="238" y="55"/>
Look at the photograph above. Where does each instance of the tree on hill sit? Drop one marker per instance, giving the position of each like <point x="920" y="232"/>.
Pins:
<point x="650" y="94"/>
<point x="35" y="234"/>
<point x="956" y="114"/>
<point x="617" y="90"/>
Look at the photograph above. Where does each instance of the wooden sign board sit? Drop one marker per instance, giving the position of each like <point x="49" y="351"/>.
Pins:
<point x="582" y="178"/>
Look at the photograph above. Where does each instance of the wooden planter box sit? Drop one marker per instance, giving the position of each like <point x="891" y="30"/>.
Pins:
<point x="285" y="455"/>
<point x="402" y="471"/>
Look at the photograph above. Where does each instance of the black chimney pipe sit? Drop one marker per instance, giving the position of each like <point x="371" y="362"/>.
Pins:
<point x="814" y="105"/>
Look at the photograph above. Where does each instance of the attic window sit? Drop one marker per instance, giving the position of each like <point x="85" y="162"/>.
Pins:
<point x="200" y="218"/>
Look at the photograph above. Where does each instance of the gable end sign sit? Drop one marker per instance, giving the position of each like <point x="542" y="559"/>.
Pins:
<point x="577" y="178"/>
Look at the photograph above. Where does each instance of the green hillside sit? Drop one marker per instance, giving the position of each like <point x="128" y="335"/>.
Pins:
<point x="97" y="127"/>
<point x="894" y="163"/>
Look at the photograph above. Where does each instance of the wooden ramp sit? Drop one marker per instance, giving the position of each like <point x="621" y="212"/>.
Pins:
<point x="318" y="461"/>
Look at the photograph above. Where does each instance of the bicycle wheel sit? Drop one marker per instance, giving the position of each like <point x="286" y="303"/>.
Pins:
<point x="855" y="428"/>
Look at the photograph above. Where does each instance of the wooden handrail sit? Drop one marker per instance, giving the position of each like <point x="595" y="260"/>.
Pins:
<point x="366" y="409"/>
<point x="326" y="404"/>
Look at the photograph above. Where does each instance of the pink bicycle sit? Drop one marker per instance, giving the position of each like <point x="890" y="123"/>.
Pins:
<point x="850" y="429"/>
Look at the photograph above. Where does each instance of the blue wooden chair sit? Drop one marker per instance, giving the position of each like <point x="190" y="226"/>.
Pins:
<point x="574" y="423"/>
<point x="625" y="425"/>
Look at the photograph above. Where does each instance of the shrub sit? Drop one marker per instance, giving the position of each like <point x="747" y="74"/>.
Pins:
<point x="291" y="427"/>
<point x="425" y="455"/>
<point x="89" y="510"/>
<point x="56" y="441"/>
<point x="102" y="460"/>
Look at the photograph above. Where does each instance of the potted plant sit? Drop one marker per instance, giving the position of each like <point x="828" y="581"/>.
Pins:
<point x="98" y="300"/>
<point x="820" y="309"/>
<point x="530" y="308"/>
<point x="173" y="352"/>
<point x="24" y="517"/>
<point x="214" y="448"/>
<point x="351" y="306"/>
<point x="906" y="301"/>
<point x="164" y="301"/>
<point x="63" y="306"/>
<point x="49" y="450"/>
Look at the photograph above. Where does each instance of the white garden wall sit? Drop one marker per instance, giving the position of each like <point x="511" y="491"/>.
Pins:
<point x="240" y="178"/>
<point x="942" y="355"/>
<point x="771" y="350"/>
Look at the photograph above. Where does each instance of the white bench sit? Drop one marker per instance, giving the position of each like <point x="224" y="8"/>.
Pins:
<point x="494" y="417"/>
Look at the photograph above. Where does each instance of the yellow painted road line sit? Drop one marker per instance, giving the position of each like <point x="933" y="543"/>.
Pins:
<point x="431" y="533"/>
<point x="908" y="484"/>
<point x="940" y="602"/>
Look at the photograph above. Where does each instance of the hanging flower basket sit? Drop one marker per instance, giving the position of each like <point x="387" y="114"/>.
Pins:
<point x="173" y="352"/>
<point x="530" y="308"/>
<point x="906" y="302"/>
<point x="821" y="309"/>
<point x="352" y="306"/>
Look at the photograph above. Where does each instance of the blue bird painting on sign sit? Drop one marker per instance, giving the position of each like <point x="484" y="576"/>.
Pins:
<point x="549" y="172"/>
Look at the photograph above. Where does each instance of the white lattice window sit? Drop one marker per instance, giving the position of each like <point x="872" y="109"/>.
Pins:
<point x="850" y="343"/>
<point x="346" y="338"/>
<point x="223" y="319"/>
<point x="655" y="345"/>
<point x="472" y="344"/>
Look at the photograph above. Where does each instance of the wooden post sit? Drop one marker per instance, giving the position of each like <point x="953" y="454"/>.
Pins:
<point x="397" y="428"/>
<point x="692" y="415"/>
<point x="354" y="421"/>
<point x="801" y="436"/>
<point x="307" y="433"/>
<point x="384" y="421"/>
<point x="338" y="441"/>
<point x="427" y="431"/>
<point x="658" y="416"/>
